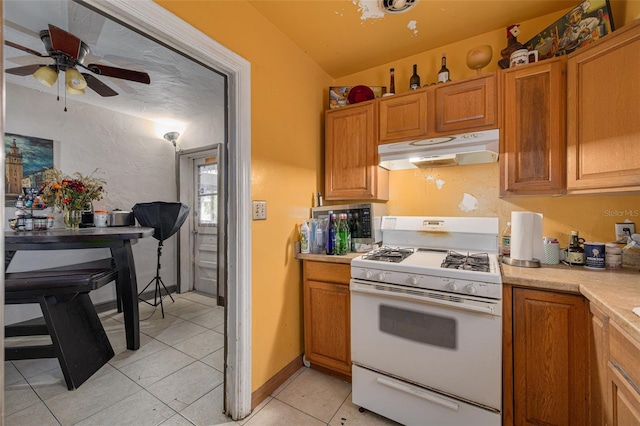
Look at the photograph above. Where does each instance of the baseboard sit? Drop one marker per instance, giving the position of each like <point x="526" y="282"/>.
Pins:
<point x="274" y="383"/>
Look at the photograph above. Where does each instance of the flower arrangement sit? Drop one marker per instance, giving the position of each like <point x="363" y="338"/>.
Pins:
<point x="65" y="192"/>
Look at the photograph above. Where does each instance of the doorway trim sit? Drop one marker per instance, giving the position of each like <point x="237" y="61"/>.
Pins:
<point x="159" y="23"/>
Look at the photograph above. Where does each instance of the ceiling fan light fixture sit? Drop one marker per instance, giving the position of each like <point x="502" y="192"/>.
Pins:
<point x="46" y="75"/>
<point x="74" y="79"/>
<point x="72" y="91"/>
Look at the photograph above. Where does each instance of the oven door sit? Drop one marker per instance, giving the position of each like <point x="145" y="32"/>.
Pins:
<point x="443" y="341"/>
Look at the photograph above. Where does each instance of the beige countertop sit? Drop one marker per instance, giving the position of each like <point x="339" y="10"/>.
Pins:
<point x="615" y="292"/>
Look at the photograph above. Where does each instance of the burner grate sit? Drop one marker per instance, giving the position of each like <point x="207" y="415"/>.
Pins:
<point x="389" y="254"/>
<point x="470" y="262"/>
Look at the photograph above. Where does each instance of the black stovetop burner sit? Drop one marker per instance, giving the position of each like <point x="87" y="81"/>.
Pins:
<point x="470" y="262"/>
<point x="388" y="254"/>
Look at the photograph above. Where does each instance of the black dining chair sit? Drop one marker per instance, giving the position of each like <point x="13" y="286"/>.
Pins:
<point x="165" y="218"/>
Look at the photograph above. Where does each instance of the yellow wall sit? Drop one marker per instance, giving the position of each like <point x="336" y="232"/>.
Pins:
<point x="449" y="191"/>
<point x="289" y="93"/>
<point x="286" y="156"/>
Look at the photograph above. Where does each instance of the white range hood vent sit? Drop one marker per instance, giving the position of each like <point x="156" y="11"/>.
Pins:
<point x="467" y="148"/>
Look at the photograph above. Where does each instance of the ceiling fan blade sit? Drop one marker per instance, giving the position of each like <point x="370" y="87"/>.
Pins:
<point x="25" y="70"/>
<point x="137" y="76"/>
<point x="24" y="49"/>
<point x="99" y="87"/>
<point x="65" y="42"/>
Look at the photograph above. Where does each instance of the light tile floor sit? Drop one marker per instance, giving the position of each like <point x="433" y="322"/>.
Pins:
<point x="175" y="378"/>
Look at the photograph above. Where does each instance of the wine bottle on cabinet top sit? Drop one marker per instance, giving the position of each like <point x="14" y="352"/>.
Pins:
<point x="443" y="74"/>
<point x="414" y="82"/>
<point x="392" y="81"/>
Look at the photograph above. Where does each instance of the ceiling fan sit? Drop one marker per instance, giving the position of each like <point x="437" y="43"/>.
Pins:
<point x="69" y="52"/>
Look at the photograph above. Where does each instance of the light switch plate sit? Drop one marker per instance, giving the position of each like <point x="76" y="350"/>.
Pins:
<point x="259" y="209"/>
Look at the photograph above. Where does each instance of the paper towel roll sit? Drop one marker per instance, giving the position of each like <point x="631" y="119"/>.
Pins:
<point x="526" y="236"/>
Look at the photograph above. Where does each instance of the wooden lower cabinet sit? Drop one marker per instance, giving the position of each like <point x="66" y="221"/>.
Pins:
<point x="599" y="354"/>
<point x="624" y="378"/>
<point x="327" y="316"/>
<point x="550" y="358"/>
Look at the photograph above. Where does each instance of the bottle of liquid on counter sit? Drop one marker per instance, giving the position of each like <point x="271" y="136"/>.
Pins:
<point x="505" y="241"/>
<point x="305" y="237"/>
<point x="414" y="82"/>
<point x="392" y="82"/>
<point x="575" y="252"/>
<point x="331" y="234"/>
<point x="342" y="246"/>
<point x="443" y="74"/>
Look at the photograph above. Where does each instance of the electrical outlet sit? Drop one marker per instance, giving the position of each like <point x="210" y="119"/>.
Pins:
<point x="259" y="210"/>
<point x="624" y="230"/>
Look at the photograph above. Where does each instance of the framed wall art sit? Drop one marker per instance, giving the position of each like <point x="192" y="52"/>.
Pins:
<point x="27" y="160"/>
<point x="582" y="25"/>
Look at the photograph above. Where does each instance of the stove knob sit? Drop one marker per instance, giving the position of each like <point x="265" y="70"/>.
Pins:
<point x="472" y="289"/>
<point x="381" y="276"/>
<point x="453" y="286"/>
<point x="368" y="275"/>
<point x="413" y="280"/>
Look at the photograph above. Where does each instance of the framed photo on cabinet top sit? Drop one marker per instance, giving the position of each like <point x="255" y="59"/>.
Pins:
<point x="581" y="26"/>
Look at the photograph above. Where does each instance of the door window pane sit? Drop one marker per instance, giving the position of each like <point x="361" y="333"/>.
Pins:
<point x="208" y="195"/>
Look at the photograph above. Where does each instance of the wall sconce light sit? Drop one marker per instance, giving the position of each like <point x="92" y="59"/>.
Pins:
<point x="172" y="137"/>
<point x="46" y="75"/>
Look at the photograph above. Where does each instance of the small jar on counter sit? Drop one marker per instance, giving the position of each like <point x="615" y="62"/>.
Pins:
<point x="612" y="256"/>
<point x="100" y="218"/>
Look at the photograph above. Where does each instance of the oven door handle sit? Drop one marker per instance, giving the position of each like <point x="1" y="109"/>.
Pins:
<point x="420" y="393"/>
<point x="422" y="296"/>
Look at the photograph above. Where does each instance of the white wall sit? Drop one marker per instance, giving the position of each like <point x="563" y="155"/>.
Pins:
<point x="137" y="165"/>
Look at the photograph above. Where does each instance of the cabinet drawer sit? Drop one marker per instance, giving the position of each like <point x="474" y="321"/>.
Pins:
<point x="327" y="272"/>
<point x="624" y="352"/>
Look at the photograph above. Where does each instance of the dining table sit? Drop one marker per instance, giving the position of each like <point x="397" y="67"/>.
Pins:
<point x="118" y="239"/>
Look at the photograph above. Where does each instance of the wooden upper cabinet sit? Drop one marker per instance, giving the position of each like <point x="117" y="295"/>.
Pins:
<point x="533" y="148"/>
<point x="603" y="134"/>
<point x="403" y="117"/>
<point x="467" y="106"/>
<point x="351" y="154"/>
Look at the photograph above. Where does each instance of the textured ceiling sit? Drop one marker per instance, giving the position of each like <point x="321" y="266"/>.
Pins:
<point x="180" y="89"/>
<point x="342" y="36"/>
<point x="348" y="36"/>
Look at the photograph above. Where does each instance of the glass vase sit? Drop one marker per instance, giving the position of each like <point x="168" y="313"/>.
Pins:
<point x="72" y="219"/>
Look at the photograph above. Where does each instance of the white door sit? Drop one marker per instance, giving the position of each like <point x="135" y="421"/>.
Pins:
<point x="207" y="215"/>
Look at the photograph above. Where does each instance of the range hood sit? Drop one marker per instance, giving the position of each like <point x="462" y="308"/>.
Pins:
<point x="467" y="148"/>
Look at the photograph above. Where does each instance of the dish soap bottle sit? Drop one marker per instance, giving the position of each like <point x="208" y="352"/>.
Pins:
<point x="505" y="241"/>
<point x="305" y="237"/>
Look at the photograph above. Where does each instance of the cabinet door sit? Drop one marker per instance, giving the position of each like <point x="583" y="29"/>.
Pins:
<point x="603" y="115"/>
<point x="624" y="375"/>
<point x="532" y="155"/>
<point x="550" y="355"/>
<point x="467" y="106"/>
<point x="403" y="117"/>
<point x="351" y="155"/>
<point x="600" y="356"/>
<point x="625" y="400"/>
<point x="327" y="325"/>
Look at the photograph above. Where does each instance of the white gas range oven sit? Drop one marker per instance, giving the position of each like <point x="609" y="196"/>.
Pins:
<point x="426" y="322"/>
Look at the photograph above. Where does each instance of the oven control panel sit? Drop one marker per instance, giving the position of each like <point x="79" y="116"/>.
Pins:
<point x="447" y="284"/>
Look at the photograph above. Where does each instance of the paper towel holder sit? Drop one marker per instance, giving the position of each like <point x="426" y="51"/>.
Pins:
<point x="533" y="263"/>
